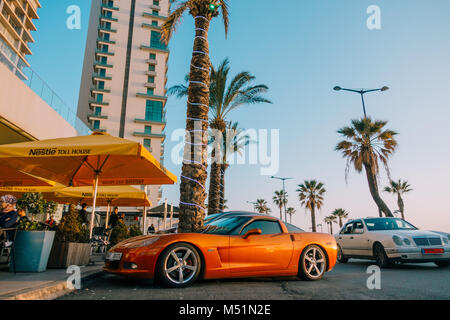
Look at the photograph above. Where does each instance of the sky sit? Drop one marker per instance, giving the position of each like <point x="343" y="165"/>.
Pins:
<point x="301" y="50"/>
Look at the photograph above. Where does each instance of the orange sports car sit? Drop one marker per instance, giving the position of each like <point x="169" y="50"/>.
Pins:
<point x="235" y="245"/>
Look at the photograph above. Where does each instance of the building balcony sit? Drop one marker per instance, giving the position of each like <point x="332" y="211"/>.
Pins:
<point x="94" y="116"/>
<point x="150" y="85"/>
<point x="98" y="90"/>
<point x="149" y="135"/>
<point x="151" y="96"/>
<point x="151" y="73"/>
<point x="152" y="15"/>
<point x="107" y="30"/>
<point x="109" y="19"/>
<point x="154" y="48"/>
<point x="161" y="121"/>
<point x="101" y="64"/>
<point x="94" y="103"/>
<point x="108" y="7"/>
<point x="152" y="61"/>
<point x="151" y="26"/>
<point x="106" y="53"/>
<point x="155" y="7"/>
<point x="101" y="40"/>
<point x="97" y="76"/>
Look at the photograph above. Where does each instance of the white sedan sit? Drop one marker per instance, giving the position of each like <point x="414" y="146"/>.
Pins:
<point x="388" y="240"/>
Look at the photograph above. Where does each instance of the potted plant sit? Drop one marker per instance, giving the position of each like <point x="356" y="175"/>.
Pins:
<point x="71" y="245"/>
<point x="119" y="233"/>
<point x="34" y="240"/>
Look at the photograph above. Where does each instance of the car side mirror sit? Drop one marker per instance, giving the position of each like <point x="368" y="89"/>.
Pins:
<point x="252" y="232"/>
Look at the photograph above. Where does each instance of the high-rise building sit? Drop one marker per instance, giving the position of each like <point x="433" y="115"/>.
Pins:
<point x="122" y="88"/>
<point x="16" y="24"/>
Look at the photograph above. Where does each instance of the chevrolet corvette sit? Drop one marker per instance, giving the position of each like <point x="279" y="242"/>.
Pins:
<point x="242" y="245"/>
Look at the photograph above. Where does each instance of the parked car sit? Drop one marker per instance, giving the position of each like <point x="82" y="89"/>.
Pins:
<point x="244" y="245"/>
<point x="389" y="240"/>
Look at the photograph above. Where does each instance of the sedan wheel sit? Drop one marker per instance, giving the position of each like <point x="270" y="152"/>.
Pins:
<point x="179" y="265"/>
<point x="313" y="263"/>
<point x="381" y="257"/>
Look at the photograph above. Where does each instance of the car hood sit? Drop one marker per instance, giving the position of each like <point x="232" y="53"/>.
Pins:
<point x="408" y="233"/>
<point x="128" y="242"/>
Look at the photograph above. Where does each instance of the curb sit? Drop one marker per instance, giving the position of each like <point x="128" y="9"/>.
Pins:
<point x="52" y="291"/>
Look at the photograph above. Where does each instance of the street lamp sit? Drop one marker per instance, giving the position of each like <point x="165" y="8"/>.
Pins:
<point x="362" y="92"/>
<point x="284" y="193"/>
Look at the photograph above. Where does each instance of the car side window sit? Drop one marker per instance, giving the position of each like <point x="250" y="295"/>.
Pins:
<point x="348" y="228"/>
<point x="266" y="226"/>
<point x="357" y="225"/>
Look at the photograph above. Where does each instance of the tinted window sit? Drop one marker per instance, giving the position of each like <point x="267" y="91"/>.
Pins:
<point x="358" y="225"/>
<point x="292" y="228"/>
<point x="266" y="226"/>
<point x="388" y="224"/>
<point x="347" y="228"/>
<point x="230" y="225"/>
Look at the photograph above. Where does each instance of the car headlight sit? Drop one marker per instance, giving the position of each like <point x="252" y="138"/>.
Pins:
<point x="407" y="241"/>
<point x="397" y="240"/>
<point x="143" y="243"/>
<point x="445" y="240"/>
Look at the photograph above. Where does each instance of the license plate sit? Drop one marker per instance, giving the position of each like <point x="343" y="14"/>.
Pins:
<point x="433" y="251"/>
<point x="113" y="256"/>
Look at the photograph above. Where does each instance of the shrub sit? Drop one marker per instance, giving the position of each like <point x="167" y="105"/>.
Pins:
<point x="118" y="233"/>
<point x="70" y="229"/>
<point x="135" y="231"/>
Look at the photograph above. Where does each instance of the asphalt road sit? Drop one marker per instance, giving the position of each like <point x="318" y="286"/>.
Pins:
<point x="345" y="281"/>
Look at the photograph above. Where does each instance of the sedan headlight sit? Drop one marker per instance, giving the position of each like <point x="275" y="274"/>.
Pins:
<point x="407" y="241"/>
<point x="397" y="240"/>
<point x="143" y="243"/>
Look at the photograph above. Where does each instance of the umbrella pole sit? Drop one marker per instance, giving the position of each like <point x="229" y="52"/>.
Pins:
<point x="171" y="216"/>
<point x="144" y="221"/>
<point x="91" y="227"/>
<point x="165" y="214"/>
<point x="107" y="214"/>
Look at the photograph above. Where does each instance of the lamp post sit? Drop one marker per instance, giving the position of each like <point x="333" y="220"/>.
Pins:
<point x="284" y="193"/>
<point x="362" y="92"/>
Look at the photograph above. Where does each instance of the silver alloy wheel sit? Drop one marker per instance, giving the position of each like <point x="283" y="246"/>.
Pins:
<point x="180" y="265"/>
<point x="314" y="262"/>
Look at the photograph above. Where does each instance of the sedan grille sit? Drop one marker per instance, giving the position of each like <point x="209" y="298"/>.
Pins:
<point x="422" y="241"/>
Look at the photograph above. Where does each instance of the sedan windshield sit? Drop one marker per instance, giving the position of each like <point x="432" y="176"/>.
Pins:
<point x="388" y="224"/>
<point x="226" y="225"/>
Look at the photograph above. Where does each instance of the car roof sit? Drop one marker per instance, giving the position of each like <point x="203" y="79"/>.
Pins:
<point x="244" y="213"/>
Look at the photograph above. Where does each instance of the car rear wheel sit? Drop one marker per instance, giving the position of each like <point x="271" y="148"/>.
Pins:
<point x="381" y="256"/>
<point x="178" y="266"/>
<point x="313" y="263"/>
<point x="442" y="264"/>
<point x="340" y="256"/>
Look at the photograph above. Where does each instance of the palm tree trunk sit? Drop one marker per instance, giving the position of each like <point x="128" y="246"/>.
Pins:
<point x="331" y="227"/>
<point x="373" y="187"/>
<point x="193" y="180"/>
<point x="223" y="168"/>
<point x="281" y="213"/>
<point x="340" y="222"/>
<point x="214" y="188"/>
<point x="401" y="206"/>
<point x="313" y="218"/>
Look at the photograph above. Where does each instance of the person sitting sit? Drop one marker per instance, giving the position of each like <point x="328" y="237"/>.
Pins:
<point x="9" y="216"/>
<point x="151" y="229"/>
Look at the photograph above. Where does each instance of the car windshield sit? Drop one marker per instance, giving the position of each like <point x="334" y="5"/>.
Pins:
<point x="388" y="224"/>
<point x="211" y="217"/>
<point x="292" y="228"/>
<point x="226" y="225"/>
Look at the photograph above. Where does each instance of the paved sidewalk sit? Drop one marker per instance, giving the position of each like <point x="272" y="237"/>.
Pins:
<point x="47" y="285"/>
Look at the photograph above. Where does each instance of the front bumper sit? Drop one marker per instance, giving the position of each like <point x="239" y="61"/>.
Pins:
<point x="415" y="254"/>
<point x="137" y="263"/>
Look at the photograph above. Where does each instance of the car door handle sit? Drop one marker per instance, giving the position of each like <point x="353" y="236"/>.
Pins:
<point x="351" y="237"/>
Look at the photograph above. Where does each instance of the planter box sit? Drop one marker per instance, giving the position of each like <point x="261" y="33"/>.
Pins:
<point x="32" y="249"/>
<point x="65" y="254"/>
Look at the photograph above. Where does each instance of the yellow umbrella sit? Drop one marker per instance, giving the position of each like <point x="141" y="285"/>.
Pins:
<point x="98" y="159"/>
<point x="10" y="177"/>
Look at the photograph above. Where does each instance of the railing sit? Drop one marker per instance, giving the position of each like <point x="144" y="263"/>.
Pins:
<point x="35" y="83"/>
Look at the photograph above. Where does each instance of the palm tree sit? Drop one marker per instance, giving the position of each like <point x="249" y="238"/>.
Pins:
<point x="399" y="188"/>
<point x="310" y="194"/>
<point x="330" y="220"/>
<point x="340" y="214"/>
<point x="193" y="176"/>
<point x="366" y="143"/>
<point x="280" y="199"/>
<point x="225" y="96"/>
<point x="290" y="212"/>
<point x="261" y="206"/>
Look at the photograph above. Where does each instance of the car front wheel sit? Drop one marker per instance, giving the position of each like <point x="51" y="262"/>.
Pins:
<point x="381" y="256"/>
<point x="178" y="266"/>
<point x="313" y="263"/>
<point x="340" y="256"/>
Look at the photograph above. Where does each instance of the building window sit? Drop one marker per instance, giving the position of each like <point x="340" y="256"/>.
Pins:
<point x="154" y="23"/>
<point x="155" y="2"/>
<point x="102" y="72"/>
<point x="96" y="124"/>
<point x="148" y="130"/>
<point x="153" y="111"/>
<point x="150" y="91"/>
<point x="155" y="12"/>
<point x="147" y="143"/>
<point x="152" y="56"/>
<point x="99" y="97"/>
<point x="98" y="111"/>
<point x="101" y="84"/>
<point x="155" y="41"/>
<point x="151" y="67"/>
<point x="104" y="60"/>
<point x="151" y="79"/>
